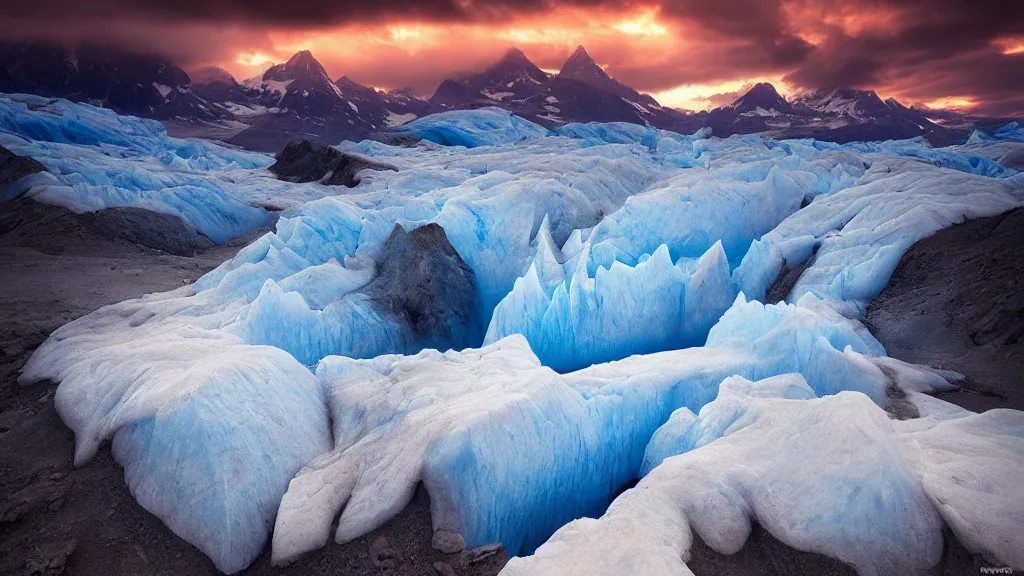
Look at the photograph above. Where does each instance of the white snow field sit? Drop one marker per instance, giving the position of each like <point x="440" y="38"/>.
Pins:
<point x="617" y="276"/>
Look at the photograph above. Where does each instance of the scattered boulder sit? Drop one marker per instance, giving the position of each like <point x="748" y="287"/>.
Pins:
<point x="448" y="542"/>
<point x="481" y="553"/>
<point x="305" y="161"/>
<point x="424" y="282"/>
<point x="14" y="167"/>
<point x="382" y="554"/>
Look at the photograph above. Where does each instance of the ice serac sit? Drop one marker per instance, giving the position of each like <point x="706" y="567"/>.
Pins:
<point x="96" y="159"/>
<point x="655" y="275"/>
<point x="209" y="431"/>
<point x="857" y="235"/>
<point x="684" y="431"/>
<point x="844" y="480"/>
<point x="510" y="450"/>
<point x="472" y="128"/>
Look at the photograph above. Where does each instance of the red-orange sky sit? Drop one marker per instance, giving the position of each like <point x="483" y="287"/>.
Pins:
<point x="687" y="53"/>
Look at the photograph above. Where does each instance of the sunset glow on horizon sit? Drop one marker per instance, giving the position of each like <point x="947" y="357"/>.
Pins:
<point x="691" y="54"/>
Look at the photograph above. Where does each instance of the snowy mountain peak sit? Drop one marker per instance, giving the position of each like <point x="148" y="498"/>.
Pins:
<point x="403" y="92"/>
<point x="515" y="65"/>
<point x="515" y="55"/>
<point x="849" y="102"/>
<point x="301" y="65"/>
<point x="580" y="66"/>
<point x="764" y="96"/>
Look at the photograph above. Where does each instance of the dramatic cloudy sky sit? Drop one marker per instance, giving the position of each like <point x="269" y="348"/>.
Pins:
<point x="966" y="54"/>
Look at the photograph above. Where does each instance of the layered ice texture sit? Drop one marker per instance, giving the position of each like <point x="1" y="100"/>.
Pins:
<point x="471" y="128"/>
<point x="96" y="159"/>
<point x="843" y="480"/>
<point x="617" y="277"/>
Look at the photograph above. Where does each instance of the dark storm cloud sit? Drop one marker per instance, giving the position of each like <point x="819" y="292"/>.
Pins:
<point x="305" y="13"/>
<point x="930" y="49"/>
<point x="919" y="49"/>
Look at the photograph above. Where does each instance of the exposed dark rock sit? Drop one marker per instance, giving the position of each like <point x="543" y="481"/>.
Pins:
<point x="956" y="301"/>
<point x="14" y="167"/>
<point x="382" y="554"/>
<point x="48" y="228"/>
<point x="424" y="282"/>
<point x="897" y="405"/>
<point x="786" y="280"/>
<point x="481" y="553"/>
<point x="764" y="96"/>
<point x="305" y="161"/>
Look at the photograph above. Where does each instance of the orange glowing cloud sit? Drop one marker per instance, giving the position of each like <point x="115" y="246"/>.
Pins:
<point x="688" y="53"/>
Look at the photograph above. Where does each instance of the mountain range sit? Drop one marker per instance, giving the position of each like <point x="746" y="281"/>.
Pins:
<point x="298" y="99"/>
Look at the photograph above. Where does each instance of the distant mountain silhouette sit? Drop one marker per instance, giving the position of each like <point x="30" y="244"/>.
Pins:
<point x="298" y="100"/>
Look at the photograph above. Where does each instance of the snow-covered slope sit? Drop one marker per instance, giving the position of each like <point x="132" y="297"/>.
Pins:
<point x="606" y="241"/>
<point x="96" y="159"/>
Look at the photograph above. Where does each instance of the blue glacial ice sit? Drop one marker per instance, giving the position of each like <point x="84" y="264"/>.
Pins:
<point x="97" y="159"/>
<point x="471" y="425"/>
<point x="599" y="243"/>
<point x="854" y="238"/>
<point x="843" y="480"/>
<point x="471" y="128"/>
<point x="209" y="430"/>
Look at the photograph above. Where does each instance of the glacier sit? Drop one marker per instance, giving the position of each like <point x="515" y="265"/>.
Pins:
<point x="843" y="480"/>
<point x="854" y="239"/>
<point x="471" y="128"/>
<point x="96" y="159"/>
<point x="619" y="278"/>
<point x="471" y="425"/>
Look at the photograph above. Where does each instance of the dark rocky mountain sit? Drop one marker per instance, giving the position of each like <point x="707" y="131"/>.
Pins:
<point x="580" y="66"/>
<point x="762" y="97"/>
<point x="131" y="83"/>
<point x="581" y="92"/>
<point x="839" y="115"/>
<point x="219" y="88"/>
<point x="298" y="100"/>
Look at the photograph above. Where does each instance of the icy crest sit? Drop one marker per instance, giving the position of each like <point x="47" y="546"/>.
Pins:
<point x="471" y="128"/>
<point x="843" y="480"/>
<point x="854" y="238"/>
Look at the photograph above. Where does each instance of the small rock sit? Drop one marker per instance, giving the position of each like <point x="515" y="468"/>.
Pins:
<point x="382" y="555"/>
<point x="481" y="553"/>
<point x="444" y="569"/>
<point x="448" y="542"/>
<point x="57" y="476"/>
